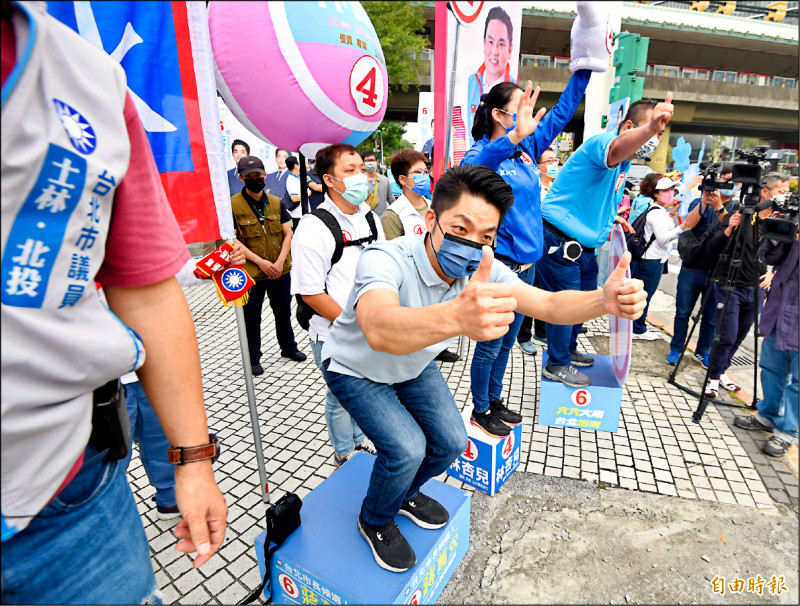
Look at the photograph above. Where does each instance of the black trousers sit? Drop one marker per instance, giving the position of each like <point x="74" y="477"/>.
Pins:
<point x="528" y="324"/>
<point x="280" y="300"/>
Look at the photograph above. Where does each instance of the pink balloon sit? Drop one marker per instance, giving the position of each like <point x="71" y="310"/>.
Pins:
<point x="300" y="75"/>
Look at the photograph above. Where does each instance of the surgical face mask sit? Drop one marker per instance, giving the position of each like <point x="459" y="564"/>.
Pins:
<point x="647" y="149"/>
<point x="422" y="185"/>
<point x="552" y="170"/>
<point x="513" y="120"/>
<point x="729" y="191"/>
<point x="255" y="185"/>
<point x="667" y="198"/>
<point x="371" y="166"/>
<point x="356" y="188"/>
<point x="458" y="257"/>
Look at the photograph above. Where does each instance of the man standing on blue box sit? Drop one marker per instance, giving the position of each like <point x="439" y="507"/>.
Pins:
<point x="577" y="215"/>
<point x="378" y="358"/>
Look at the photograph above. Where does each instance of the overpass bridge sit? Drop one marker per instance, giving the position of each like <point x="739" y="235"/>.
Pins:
<point x="730" y="75"/>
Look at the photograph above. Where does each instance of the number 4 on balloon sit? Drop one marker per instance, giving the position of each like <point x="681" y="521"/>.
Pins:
<point x="367" y="86"/>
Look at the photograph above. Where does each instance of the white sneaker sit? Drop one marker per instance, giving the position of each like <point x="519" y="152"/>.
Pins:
<point x="648" y="335"/>
<point x="729" y="383"/>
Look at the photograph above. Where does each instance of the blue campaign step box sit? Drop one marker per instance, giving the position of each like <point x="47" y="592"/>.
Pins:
<point x="596" y="407"/>
<point x="487" y="462"/>
<point x="326" y="561"/>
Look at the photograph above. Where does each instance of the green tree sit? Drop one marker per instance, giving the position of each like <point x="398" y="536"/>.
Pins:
<point x="399" y="26"/>
<point x="392" y="139"/>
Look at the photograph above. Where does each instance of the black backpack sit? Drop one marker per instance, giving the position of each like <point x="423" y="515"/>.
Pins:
<point x="635" y="241"/>
<point x="692" y="248"/>
<point x="304" y="311"/>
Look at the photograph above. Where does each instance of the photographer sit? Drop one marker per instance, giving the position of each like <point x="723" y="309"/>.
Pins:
<point x="778" y="411"/>
<point x="741" y="311"/>
<point x="702" y="220"/>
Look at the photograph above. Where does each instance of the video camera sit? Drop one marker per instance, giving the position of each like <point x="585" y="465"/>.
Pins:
<point x="710" y="173"/>
<point x="756" y="156"/>
<point x="783" y="229"/>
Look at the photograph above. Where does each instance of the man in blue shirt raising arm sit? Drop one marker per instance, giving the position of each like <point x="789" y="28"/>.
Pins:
<point x="577" y="215"/>
<point x="378" y="358"/>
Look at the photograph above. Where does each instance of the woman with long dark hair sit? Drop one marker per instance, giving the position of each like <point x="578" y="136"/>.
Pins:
<point x="509" y="138"/>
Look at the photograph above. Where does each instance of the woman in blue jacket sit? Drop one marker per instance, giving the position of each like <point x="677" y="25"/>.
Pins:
<point x="508" y="139"/>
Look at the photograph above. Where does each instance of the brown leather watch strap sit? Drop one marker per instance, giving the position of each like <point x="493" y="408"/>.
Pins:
<point x="180" y="455"/>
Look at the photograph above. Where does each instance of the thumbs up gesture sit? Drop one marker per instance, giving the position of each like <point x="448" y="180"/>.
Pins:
<point x="662" y="114"/>
<point x="485" y="309"/>
<point x="623" y="296"/>
<point x="591" y="38"/>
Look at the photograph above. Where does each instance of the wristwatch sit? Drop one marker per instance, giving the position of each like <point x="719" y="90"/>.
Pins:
<point x="721" y="210"/>
<point x="180" y="455"/>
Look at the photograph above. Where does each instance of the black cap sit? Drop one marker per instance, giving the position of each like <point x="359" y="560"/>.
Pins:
<point x="249" y="164"/>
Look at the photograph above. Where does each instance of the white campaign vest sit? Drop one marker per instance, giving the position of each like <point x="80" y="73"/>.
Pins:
<point x="413" y="222"/>
<point x="65" y="148"/>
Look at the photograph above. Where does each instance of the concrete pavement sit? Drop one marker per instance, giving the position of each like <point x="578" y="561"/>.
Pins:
<point x="657" y="450"/>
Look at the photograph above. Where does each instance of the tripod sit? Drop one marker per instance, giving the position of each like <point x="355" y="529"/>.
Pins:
<point x="732" y="255"/>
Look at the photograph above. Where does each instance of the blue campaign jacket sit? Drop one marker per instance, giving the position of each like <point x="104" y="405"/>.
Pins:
<point x="520" y="235"/>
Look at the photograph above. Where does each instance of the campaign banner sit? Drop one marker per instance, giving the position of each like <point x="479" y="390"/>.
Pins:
<point x="425" y="122"/>
<point x="165" y="50"/>
<point x="487" y="54"/>
<point x="231" y="129"/>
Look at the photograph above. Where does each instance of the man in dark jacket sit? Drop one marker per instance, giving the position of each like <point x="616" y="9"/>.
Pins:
<point x="778" y="411"/>
<point x="741" y="311"/>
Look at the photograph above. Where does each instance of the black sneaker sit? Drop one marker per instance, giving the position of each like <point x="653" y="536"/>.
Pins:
<point x="568" y="375"/>
<point x="448" y="356"/>
<point x="584" y="330"/>
<point x="507" y="416"/>
<point x="389" y="547"/>
<point x="750" y="422"/>
<point x="297" y="356"/>
<point x="257" y="370"/>
<point x="489" y="423"/>
<point x="167" y="513"/>
<point x="776" y="447"/>
<point x="424" y="512"/>
<point x="580" y="359"/>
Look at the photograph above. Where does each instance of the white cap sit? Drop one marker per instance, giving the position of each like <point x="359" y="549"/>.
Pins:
<point x="666" y="183"/>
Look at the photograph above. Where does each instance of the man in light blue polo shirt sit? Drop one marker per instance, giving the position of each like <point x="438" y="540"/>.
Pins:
<point x="411" y="297"/>
<point x="577" y="215"/>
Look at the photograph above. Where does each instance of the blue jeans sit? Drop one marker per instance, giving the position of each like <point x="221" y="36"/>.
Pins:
<point x="602" y="263"/>
<point x="779" y="382"/>
<point x="648" y="271"/>
<point x="146" y="431"/>
<point x="86" y="547"/>
<point x="491" y="357"/>
<point x="733" y="327"/>
<point x="556" y="274"/>
<point x="343" y="431"/>
<point x="416" y="428"/>
<point x="691" y="283"/>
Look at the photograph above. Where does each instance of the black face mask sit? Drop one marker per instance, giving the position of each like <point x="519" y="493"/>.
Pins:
<point x="255" y="185"/>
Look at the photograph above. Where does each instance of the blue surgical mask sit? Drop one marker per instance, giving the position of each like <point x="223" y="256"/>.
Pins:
<point x="356" y="188"/>
<point x="552" y="170"/>
<point x="729" y="192"/>
<point x="422" y="185"/>
<point x="649" y="146"/>
<point x="458" y="257"/>
<point x="513" y="118"/>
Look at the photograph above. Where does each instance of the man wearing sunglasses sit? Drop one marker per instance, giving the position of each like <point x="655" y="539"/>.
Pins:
<point x="411" y="297"/>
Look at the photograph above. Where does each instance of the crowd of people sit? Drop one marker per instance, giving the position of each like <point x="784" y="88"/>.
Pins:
<point x="385" y="283"/>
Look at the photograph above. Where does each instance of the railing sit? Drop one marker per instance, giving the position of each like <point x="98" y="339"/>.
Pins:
<point x="672" y="71"/>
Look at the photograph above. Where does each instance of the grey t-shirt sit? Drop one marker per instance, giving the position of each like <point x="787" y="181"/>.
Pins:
<point x="401" y="265"/>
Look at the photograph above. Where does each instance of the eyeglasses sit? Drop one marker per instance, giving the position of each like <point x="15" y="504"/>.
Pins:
<point x="550" y="161"/>
<point x="419" y="171"/>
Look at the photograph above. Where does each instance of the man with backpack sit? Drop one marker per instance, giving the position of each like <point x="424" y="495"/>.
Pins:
<point x="325" y="250"/>
<point x="700" y="223"/>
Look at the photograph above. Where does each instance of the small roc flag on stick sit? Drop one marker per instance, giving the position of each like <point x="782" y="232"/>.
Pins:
<point x="232" y="282"/>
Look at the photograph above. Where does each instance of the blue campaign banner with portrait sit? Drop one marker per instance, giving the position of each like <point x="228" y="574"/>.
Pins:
<point x="141" y="36"/>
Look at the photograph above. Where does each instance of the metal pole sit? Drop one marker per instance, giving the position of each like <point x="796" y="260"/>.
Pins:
<point x="303" y="185"/>
<point x="251" y="400"/>
<point x="449" y="125"/>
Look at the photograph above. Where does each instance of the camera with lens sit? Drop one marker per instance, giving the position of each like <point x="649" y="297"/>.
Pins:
<point x="783" y="229"/>
<point x="710" y="173"/>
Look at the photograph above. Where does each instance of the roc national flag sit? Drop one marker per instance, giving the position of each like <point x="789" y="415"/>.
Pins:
<point x="165" y="50"/>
